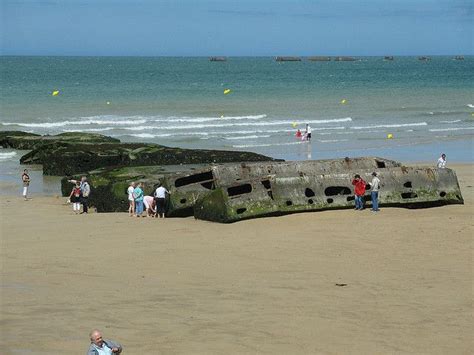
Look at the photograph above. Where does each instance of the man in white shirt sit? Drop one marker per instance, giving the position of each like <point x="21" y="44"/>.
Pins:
<point x="160" y="198"/>
<point x="442" y="161"/>
<point x="374" y="192"/>
<point x="308" y="132"/>
<point x="131" y="199"/>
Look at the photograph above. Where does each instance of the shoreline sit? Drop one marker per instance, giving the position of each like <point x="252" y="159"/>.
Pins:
<point x="268" y="285"/>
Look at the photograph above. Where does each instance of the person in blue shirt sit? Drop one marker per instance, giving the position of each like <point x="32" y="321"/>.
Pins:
<point x="138" y="196"/>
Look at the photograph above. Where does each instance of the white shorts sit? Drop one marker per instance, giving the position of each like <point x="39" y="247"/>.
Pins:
<point x="25" y="190"/>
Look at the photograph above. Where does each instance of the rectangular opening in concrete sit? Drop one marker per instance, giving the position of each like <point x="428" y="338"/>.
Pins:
<point x="239" y="190"/>
<point x="407" y="184"/>
<point x="193" y="179"/>
<point x="380" y="164"/>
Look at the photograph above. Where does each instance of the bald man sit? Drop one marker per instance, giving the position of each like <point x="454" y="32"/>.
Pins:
<point x="100" y="346"/>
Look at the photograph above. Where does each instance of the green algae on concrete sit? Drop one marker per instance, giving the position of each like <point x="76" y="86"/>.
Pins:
<point x="28" y="141"/>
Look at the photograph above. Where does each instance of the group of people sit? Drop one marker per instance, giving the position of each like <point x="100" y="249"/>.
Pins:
<point x="154" y="206"/>
<point x="360" y="187"/>
<point x="306" y="136"/>
<point x="80" y="195"/>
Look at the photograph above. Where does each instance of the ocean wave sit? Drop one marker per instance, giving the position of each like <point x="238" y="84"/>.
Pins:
<point x="74" y="123"/>
<point x="89" y="129"/>
<point x="7" y="155"/>
<point x="208" y="119"/>
<point x="247" y="137"/>
<point x="333" y="140"/>
<point x="453" y="121"/>
<point x="392" y="125"/>
<point x="450" y="129"/>
<point x="144" y="135"/>
<point x="264" y="145"/>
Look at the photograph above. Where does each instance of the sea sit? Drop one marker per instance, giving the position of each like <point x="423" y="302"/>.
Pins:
<point x="405" y="109"/>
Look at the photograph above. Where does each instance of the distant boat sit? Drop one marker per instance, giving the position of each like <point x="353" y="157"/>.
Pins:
<point x="424" y="58"/>
<point x="459" y="57"/>
<point x="218" y="59"/>
<point x="319" y="59"/>
<point x="345" y="59"/>
<point x="388" y="57"/>
<point x="288" y="59"/>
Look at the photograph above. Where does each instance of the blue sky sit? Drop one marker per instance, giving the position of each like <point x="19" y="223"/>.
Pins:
<point x="230" y="27"/>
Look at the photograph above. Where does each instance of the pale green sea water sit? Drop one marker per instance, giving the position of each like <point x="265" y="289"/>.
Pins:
<point x="427" y="106"/>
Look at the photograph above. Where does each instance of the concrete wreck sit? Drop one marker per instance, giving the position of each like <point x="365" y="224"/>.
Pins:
<point x="187" y="188"/>
<point x="231" y="192"/>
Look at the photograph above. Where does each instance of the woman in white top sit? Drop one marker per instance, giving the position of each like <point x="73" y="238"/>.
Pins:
<point x="131" y="200"/>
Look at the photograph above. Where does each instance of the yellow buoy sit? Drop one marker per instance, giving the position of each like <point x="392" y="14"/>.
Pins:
<point x="55" y="93"/>
<point x="389" y="136"/>
<point x="294" y="124"/>
<point x="343" y="101"/>
<point x="226" y="91"/>
<point x="222" y="116"/>
<point x="108" y="102"/>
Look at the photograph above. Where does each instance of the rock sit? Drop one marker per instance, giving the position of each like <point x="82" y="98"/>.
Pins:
<point x="28" y="141"/>
<point x="73" y="158"/>
<point x="109" y="186"/>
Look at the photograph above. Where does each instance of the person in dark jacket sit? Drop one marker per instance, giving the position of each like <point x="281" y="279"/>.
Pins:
<point x="359" y="192"/>
<point x="100" y="346"/>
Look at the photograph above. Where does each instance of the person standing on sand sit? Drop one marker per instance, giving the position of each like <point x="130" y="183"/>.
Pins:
<point x="160" y="198"/>
<point x="374" y="192"/>
<point x="25" y="178"/>
<point x="138" y="197"/>
<point x="131" y="200"/>
<point x="441" y="161"/>
<point x="85" y="192"/>
<point x="99" y="346"/>
<point x="75" y="197"/>
<point x="359" y="192"/>
<point x="308" y="132"/>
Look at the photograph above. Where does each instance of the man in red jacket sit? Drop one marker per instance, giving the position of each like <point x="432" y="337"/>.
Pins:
<point x="359" y="192"/>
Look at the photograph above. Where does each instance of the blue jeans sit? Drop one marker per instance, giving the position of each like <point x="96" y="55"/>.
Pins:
<point x="139" y="207"/>
<point x="359" y="202"/>
<point x="375" y="200"/>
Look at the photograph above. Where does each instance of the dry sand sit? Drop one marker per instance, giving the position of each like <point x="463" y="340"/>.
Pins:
<point x="181" y="286"/>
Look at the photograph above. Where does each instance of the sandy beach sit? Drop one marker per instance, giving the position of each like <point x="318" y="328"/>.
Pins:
<point x="400" y="281"/>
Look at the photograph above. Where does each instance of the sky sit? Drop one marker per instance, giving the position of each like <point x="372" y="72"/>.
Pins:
<point x="236" y="28"/>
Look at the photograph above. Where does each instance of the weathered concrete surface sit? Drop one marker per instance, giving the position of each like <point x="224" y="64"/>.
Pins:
<point x="28" y="141"/>
<point x="400" y="186"/>
<point x="63" y="158"/>
<point x="288" y="59"/>
<point x="186" y="188"/>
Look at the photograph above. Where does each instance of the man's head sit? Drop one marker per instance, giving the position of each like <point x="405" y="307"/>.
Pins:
<point x="96" y="337"/>
<point x="25" y="171"/>
<point x="374" y="174"/>
<point x="132" y="184"/>
<point x="357" y="176"/>
<point x="83" y="179"/>
<point x="443" y="156"/>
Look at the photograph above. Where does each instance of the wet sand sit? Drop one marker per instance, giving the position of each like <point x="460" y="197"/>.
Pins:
<point x="327" y="282"/>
